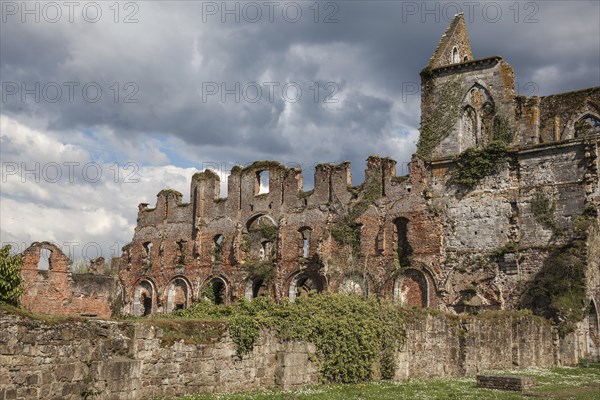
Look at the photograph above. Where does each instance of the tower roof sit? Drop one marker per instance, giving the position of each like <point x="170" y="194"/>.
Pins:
<point x="454" y="46"/>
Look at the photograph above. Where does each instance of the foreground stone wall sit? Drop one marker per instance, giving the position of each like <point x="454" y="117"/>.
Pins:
<point x="118" y="360"/>
<point x="122" y="360"/>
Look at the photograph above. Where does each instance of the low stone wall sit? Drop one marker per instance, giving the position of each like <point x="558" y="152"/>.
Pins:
<point x="110" y="360"/>
<point x="116" y="360"/>
<point x="516" y="383"/>
<point x="438" y="346"/>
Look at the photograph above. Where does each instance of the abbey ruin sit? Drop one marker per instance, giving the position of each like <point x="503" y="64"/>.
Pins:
<point x="500" y="185"/>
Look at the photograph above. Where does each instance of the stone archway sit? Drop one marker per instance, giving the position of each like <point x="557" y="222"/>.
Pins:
<point x="143" y="298"/>
<point x="303" y="283"/>
<point x="215" y="289"/>
<point x="411" y="289"/>
<point x="178" y="294"/>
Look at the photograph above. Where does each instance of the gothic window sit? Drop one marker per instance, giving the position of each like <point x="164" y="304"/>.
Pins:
<point x="403" y="247"/>
<point x="587" y="125"/>
<point x="411" y="289"/>
<point x="455" y="56"/>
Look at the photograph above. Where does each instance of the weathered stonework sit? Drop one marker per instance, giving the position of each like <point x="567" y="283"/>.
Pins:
<point x="109" y="360"/>
<point x="56" y="290"/>
<point x="422" y="239"/>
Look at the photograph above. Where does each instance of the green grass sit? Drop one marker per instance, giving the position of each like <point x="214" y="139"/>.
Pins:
<point x="580" y="383"/>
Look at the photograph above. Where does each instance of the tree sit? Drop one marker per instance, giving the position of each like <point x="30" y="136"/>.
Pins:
<point x="11" y="281"/>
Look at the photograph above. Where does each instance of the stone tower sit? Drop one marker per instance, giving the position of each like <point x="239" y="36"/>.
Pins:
<point x="465" y="102"/>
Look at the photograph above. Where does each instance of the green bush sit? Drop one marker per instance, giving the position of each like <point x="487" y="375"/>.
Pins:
<point x="11" y="281"/>
<point x="474" y="164"/>
<point x="349" y="332"/>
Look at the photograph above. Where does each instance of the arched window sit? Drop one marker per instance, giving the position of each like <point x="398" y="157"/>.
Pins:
<point x="304" y="283"/>
<point x="587" y="125"/>
<point x="143" y="299"/>
<point x="215" y="290"/>
<point x="403" y="247"/>
<point x="305" y="234"/>
<point x="255" y="287"/>
<point x="411" y="289"/>
<point x="455" y="56"/>
<point x="178" y="294"/>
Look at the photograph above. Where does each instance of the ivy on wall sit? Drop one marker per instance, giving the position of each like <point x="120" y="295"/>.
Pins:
<point x="474" y="164"/>
<point x="441" y="118"/>
<point x="350" y="333"/>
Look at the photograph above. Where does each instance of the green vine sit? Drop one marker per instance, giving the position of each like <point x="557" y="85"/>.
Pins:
<point x="351" y="333"/>
<point x="347" y="230"/>
<point x="474" y="164"/>
<point x="503" y="131"/>
<point x="11" y="281"/>
<point x="558" y="292"/>
<point x="260" y="269"/>
<point x="543" y="210"/>
<point x="441" y="118"/>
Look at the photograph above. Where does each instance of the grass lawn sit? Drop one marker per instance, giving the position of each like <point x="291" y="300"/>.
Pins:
<point x="582" y="383"/>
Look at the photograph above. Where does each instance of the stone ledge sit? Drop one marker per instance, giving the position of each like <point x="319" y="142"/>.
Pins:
<point x="517" y="383"/>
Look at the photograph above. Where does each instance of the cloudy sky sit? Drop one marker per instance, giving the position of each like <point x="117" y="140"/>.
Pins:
<point x="105" y="104"/>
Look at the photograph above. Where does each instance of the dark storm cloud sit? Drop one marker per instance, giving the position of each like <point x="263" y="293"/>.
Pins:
<point x="373" y="55"/>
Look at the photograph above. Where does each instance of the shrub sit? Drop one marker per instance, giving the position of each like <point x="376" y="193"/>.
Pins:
<point x="11" y="281"/>
<point x="472" y="165"/>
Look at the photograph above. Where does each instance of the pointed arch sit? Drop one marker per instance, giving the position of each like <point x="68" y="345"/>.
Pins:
<point x="412" y="289"/>
<point x="302" y="282"/>
<point x="144" y="297"/>
<point x="178" y="294"/>
<point x="589" y="110"/>
<point x="215" y="288"/>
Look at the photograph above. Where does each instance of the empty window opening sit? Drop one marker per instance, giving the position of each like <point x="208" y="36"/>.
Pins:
<point x="403" y="248"/>
<point x="181" y="250"/>
<point x="44" y="263"/>
<point x="215" y="291"/>
<point x="147" y="304"/>
<point x="143" y="298"/>
<point x="455" y="56"/>
<point x="148" y="254"/>
<point x="177" y="295"/>
<point x="265" y="249"/>
<point x="262" y="182"/>
<point x="303" y="285"/>
<point x="217" y="251"/>
<point x="305" y="233"/>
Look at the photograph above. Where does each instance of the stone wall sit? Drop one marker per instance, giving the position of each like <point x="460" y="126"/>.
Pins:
<point x="439" y="346"/>
<point x="117" y="360"/>
<point x="51" y="288"/>
<point x="122" y="360"/>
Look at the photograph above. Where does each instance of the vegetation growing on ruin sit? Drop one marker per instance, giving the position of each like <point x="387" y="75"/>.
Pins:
<point x="510" y="247"/>
<point x="503" y="130"/>
<point x="11" y="281"/>
<point x="260" y="269"/>
<point x="474" y="164"/>
<point x="350" y="333"/>
<point x="347" y="230"/>
<point x="542" y="209"/>
<point x="441" y="119"/>
<point x="558" y="291"/>
<point x="264" y="165"/>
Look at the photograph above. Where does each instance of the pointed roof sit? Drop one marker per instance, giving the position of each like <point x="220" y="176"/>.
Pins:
<point x="454" y="45"/>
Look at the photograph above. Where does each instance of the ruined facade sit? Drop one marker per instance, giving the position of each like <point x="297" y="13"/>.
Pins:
<point x="424" y="240"/>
